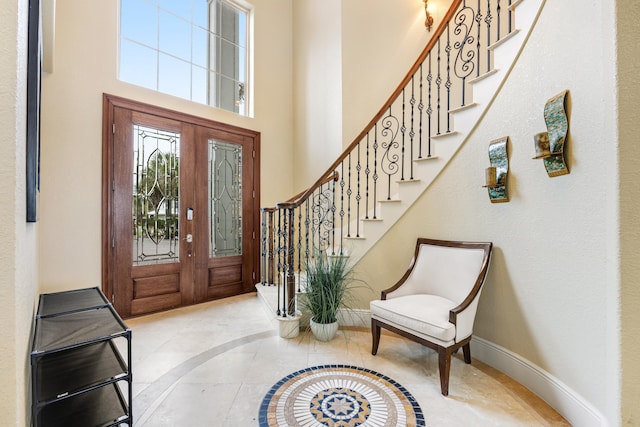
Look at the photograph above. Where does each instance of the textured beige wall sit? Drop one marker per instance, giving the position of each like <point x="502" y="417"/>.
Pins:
<point x="85" y="57"/>
<point x="18" y="261"/>
<point x="552" y="292"/>
<point x="628" y="16"/>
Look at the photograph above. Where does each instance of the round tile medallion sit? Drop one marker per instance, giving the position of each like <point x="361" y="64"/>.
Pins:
<point x="339" y="396"/>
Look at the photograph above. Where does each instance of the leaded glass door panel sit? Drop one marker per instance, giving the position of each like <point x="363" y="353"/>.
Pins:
<point x="153" y="178"/>
<point x="226" y="172"/>
<point x="181" y="198"/>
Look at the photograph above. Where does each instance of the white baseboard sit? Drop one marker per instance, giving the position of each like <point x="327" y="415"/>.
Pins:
<point x="573" y="407"/>
<point x="567" y="402"/>
<point x="354" y="317"/>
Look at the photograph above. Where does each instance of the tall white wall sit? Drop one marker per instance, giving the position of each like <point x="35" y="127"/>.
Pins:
<point x="86" y="63"/>
<point x="552" y="294"/>
<point x="18" y="257"/>
<point x="317" y="88"/>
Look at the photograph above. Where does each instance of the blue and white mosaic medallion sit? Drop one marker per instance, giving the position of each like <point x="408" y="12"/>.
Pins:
<point x="339" y="396"/>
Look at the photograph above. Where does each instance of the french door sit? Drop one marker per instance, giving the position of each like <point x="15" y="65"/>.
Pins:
<point x="181" y="198"/>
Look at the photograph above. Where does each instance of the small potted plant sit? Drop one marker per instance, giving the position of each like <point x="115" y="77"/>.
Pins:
<point x="328" y="288"/>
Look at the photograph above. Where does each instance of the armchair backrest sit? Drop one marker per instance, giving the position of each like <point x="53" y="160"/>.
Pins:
<point x="453" y="270"/>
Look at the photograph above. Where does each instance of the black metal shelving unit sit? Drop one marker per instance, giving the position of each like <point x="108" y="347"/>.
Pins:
<point x="77" y="369"/>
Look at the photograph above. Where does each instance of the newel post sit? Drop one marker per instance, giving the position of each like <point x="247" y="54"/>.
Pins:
<point x="267" y="255"/>
<point x="291" y="278"/>
<point x="271" y="261"/>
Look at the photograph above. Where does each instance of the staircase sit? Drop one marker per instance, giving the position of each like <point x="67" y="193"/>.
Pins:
<point x="402" y="150"/>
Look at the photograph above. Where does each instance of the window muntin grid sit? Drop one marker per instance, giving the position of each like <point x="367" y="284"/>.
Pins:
<point x="193" y="49"/>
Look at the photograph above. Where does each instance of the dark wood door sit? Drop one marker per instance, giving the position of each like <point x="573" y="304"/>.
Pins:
<point x="224" y="214"/>
<point x="182" y="203"/>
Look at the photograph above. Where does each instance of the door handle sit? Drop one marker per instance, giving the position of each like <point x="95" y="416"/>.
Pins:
<point x="189" y="238"/>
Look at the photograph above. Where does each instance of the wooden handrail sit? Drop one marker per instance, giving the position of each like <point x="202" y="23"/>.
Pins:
<point x="293" y="201"/>
<point x="297" y="200"/>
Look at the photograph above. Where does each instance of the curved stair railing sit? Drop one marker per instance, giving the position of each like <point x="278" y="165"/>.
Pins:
<point x="387" y="162"/>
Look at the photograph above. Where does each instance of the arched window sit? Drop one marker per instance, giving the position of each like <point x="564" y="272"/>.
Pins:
<point x="193" y="49"/>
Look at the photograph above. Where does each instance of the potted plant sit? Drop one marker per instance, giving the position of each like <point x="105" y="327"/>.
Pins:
<point x="328" y="288"/>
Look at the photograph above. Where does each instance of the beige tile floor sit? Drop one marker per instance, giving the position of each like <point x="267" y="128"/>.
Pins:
<point x="211" y="365"/>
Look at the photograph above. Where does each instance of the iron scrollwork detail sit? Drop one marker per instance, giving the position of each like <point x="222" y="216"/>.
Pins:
<point x="321" y="216"/>
<point x="390" y="158"/>
<point x="464" y="21"/>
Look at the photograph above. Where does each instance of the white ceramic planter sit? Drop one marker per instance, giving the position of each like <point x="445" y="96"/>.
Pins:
<point x="322" y="331"/>
<point x="289" y="327"/>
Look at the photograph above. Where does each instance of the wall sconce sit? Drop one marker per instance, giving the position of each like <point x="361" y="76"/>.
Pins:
<point x="428" y="22"/>
<point x="496" y="174"/>
<point x="549" y="145"/>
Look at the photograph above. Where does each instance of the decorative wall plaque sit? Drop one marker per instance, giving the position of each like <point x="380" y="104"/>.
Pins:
<point x="550" y="145"/>
<point x="497" y="173"/>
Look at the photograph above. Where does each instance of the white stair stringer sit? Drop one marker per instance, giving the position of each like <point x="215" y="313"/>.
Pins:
<point x="484" y="90"/>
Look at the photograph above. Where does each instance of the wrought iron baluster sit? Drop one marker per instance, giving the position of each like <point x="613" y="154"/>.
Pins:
<point x="447" y="83"/>
<point x="375" y="170"/>
<point x="342" y="211"/>
<point x="281" y="305"/>
<point x="307" y="221"/>
<point x="389" y="144"/>
<point x="438" y="83"/>
<point x="272" y="261"/>
<point x="478" y="25"/>
<point x="464" y="65"/>
<point x="332" y="240"/>
<point x="403" y="129"/>
<point x="411" y="131"/>
<point x="299" y="252"/>
<point x="318" y="207"/>
<point x="291" y="278"/>
<point x="358" y="196"/>
<point x="510" y="14"/>
<point x="323" y="207"/>
<point x="420" y="108"/>
<point x="498" y="20"/>
<point x="349" y="193"/>
<point x="488" y="20"/>
<point x="429" y="108"/>
<point x="366" y="172"/>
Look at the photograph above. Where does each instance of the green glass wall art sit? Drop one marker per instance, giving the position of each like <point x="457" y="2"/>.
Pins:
<point x="550" y="145"/>
<point x="497" y="173"/>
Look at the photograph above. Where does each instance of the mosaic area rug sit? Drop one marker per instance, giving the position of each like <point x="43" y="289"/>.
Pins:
<point x="339" y="396"/>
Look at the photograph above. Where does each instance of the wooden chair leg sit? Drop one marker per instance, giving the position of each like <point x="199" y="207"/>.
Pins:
<point x="466" y="350"/>
<point x="444" y="364"/>
<point x="375" y="335"/>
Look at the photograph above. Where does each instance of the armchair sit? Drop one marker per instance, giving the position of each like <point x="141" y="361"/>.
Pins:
<point x="435" y="301"/>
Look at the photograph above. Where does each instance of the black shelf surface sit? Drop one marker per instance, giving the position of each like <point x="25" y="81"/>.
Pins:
<point x="101" y="407"/>
<point x="69" y="301"/>
<point x="77" y="328"/>
<point x="67" y="372"/>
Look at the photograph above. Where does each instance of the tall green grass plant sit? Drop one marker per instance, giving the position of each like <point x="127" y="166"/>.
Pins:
<point x="329" y="282"/>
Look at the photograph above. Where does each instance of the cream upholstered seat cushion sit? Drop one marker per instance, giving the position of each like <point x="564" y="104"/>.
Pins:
<point x="421" y="315"/>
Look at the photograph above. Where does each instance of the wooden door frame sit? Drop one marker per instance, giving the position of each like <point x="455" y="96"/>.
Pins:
<point x="109" y="103"/>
